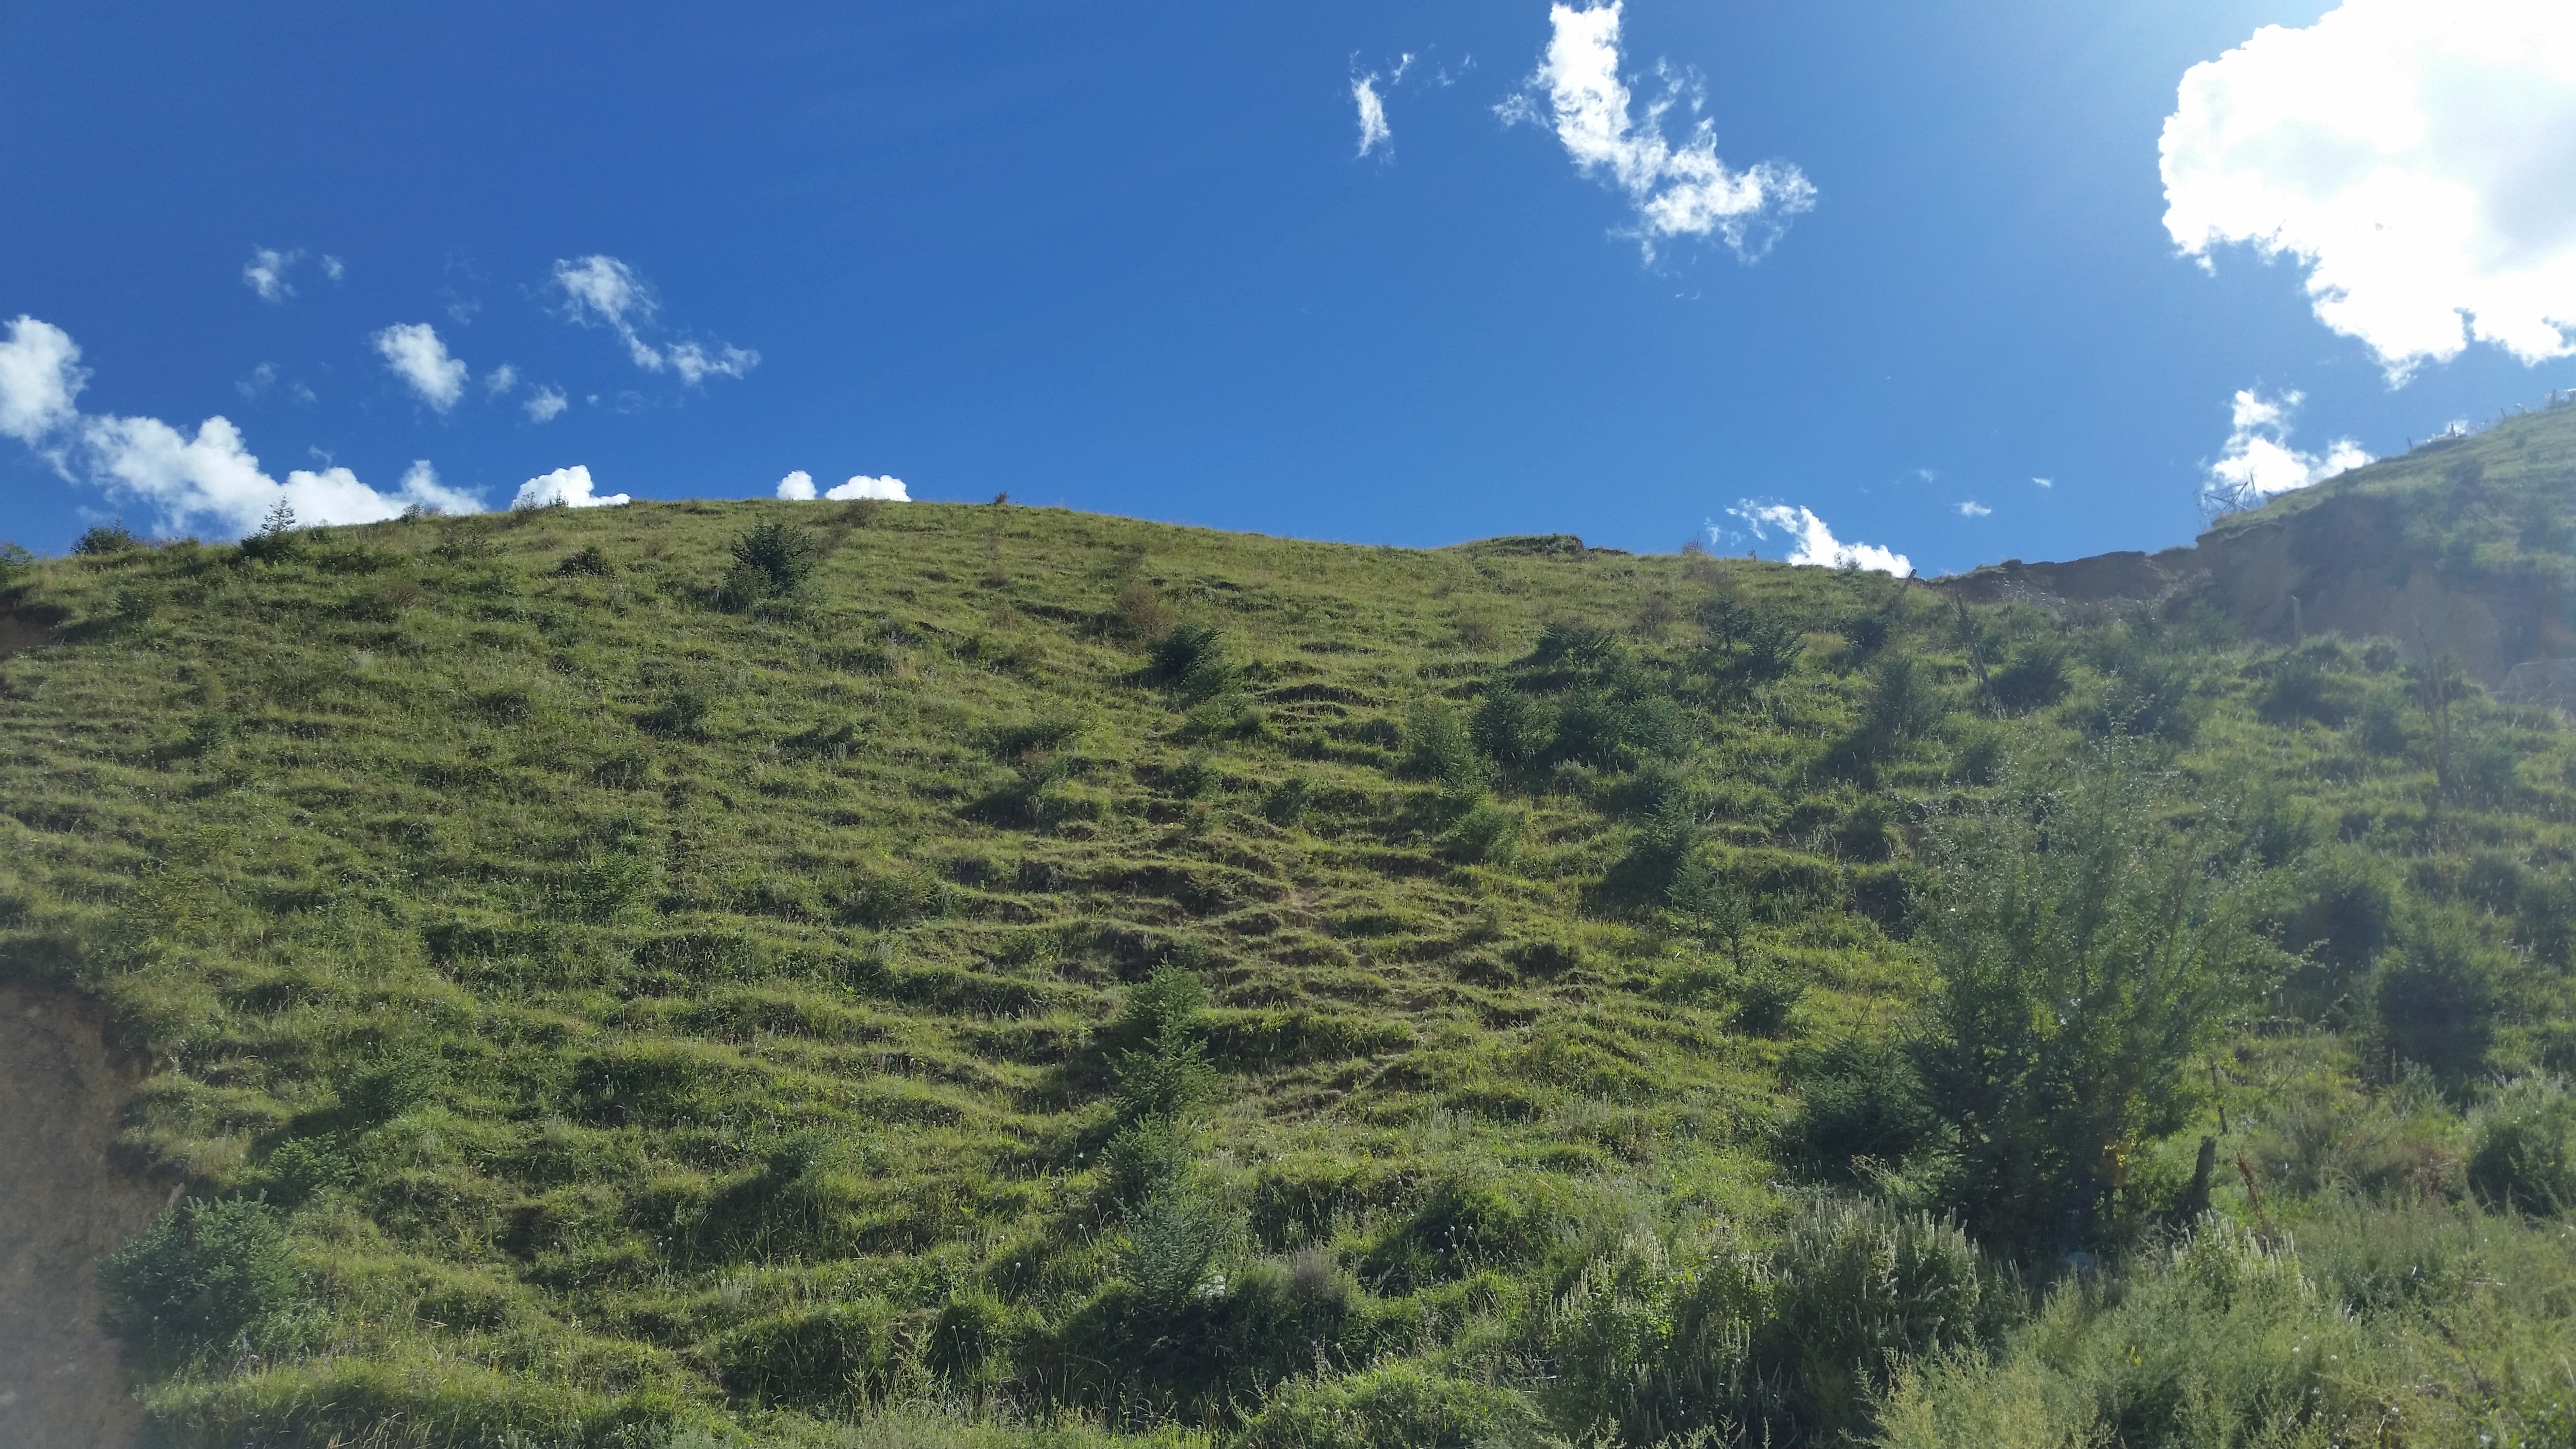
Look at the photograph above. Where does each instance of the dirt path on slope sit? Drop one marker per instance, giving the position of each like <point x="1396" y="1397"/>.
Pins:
<point x="64" y="1201"/>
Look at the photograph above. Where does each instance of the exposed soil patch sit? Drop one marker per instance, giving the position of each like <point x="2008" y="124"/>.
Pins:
<point x="64" y="1200"/>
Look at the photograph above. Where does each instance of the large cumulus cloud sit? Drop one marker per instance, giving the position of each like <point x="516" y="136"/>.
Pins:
<point x="2418" y="157"/>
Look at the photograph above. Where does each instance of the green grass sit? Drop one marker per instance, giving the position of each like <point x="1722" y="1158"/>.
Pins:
<point x="660" y="1005"/>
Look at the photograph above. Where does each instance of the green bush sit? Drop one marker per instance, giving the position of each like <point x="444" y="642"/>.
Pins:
<point x="1438" y="747"/>
<point x="2520" y="1156"/>
<point x="1391" y="1406"/>
<point x="770" y="560"/>
<point x="202" y="1274"/>
<point x="1469" y="1222"/>
<point x="2032" y="677"/>
<point x="1284" y="804"/>
<point x="2085" y="956"/>
<point x="2437" y="999"/>
<point x="1510" y="727"/>
<point x="1861" y="1109"/>
<point x="1485" y="833"/>
<point x="1190" y="660"/>
<point x="1166" y="1072"/>
<point x="830" y="1355"/>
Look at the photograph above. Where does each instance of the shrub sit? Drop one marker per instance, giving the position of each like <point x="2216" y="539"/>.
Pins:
<point x="2302" y="689"/>
<point x="201" y="1274"/>
<point x="1284" y="804"/>
<point x="101" y="540"/>
<point x="1485" y="832"/>
<point x="1511" y="727"/>
<point x="2436" y="998"/>
<point x="770" y="560"/>
<point x="1564" y="641"/>
<point x="1140" y="608"/>
<point x="2083" y="962"/>
<point x="1766" y="992"/>
<point x="1470" y="1221"/>
<point x="1190" y="660"/>
<point x="1858" y="1288"/>
<point x="1439" y="748"/>
<point x="1196" y="775"/>
<point x="2032" y="677"/>
<point x="2520" y="1157"/>
<point x="2150" y="698"/>
<point x="1395" y="1405"/>
<point x="1710" y="906"/>
<point x="277" y="540"/>
<point x="829" y="1355"/>
<point x="1862" y="1108"/>
<point x="1166" y="1072"/>
<point x="587" y="561"/>
<point x="1173" y="1240"/>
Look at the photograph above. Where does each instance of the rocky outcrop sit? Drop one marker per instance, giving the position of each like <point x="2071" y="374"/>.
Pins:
<point x="2346" y="564"/>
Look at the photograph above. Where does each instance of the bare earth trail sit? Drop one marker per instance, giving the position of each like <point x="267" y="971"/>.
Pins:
<point x="64" y="1201"/>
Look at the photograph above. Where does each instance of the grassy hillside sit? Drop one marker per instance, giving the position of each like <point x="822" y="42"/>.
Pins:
<point x="793" y="974"/>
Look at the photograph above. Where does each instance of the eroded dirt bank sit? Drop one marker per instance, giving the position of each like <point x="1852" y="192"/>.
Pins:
<point x="64" y="1201"/>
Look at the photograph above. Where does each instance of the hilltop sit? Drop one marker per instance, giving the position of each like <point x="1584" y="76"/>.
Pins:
<point x="795" y="973"/>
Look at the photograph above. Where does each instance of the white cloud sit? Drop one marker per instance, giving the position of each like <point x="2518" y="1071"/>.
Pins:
<point x="500" y="379"/>
<point x="214" y="477"/>
<point x="2414" y="155"/>
<point x="2260" y="464"/>
<point x="2045" y="482"/>
<point x="1816" y="545"/>
<point x="1973" y="509"/>
<point x="1373" y="131"/>
<point x="889" y="488"/>
<point x="333" y="267"/>
<point x="567" y="487"/>
<point x="605" y="292"/>
<point x="797" y="487"/>
<point x="415" y="354"/>
<point x="695" y="363"/>
<point x="211" y="477"/>
<point x="40" y="380"/>
<point x="265" y="273"/>
<point x="546" y="404"/>
<point x="1683" y="191"/>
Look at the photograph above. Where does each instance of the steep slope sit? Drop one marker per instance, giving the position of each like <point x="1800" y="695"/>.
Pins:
<point x="682" y="972"/>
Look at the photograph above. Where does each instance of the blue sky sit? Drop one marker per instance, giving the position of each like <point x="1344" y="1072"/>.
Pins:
<point x="1129" y="259"/>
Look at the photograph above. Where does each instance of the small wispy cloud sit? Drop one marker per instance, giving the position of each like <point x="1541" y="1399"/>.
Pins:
<point x="333" y="267"/>
<point x="2259" y="464"/>
<point x="417" y="356"/>
<point x="601" y="291"/>
<point x="1814" y="544"/>
<point x="695" y="364"/>
<point x="1374" y="134"/>
<point x="546" y="404"/>
<point x="2045" y="482"/>
<point x="1678" y="191"/>
<point x="1973" y="509"/>
<point x="265" y="273"/>
<point x="500" y="379"/>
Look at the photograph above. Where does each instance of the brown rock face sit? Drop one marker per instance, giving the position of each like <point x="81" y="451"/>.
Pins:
<point x="64" y="1202"/>
<point x="2458" y="547"/>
